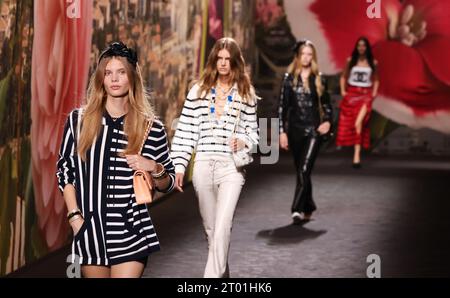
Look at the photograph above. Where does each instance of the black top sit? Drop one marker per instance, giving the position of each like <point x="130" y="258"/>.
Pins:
<point x="301" y="108"/>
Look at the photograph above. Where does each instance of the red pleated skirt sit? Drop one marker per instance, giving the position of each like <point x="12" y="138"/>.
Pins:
<point x="350" y="106"/>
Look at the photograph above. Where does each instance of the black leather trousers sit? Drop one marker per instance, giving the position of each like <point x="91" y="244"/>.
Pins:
<point x="304" y="144"/>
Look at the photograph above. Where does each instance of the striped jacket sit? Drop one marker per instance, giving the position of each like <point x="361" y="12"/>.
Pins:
<point x="115" y="229"/>
<point x="195" y="130"/>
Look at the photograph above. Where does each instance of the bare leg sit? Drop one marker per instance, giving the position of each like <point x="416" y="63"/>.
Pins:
<point x="96" y="272"/>
<point x="127" y="270"/>
<point x="357" y="154"/>
<point x="358" y="126"/>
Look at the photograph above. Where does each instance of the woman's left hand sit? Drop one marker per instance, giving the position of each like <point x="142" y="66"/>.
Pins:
<point x="138" y="162"/>
<point x="324" y="128"/>
<point x="236" y="144"/>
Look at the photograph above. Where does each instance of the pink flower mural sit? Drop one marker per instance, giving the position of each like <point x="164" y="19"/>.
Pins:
<point x="215" y="19"/>
<point x="61" y="55"/>
<point x="410" y="40"/>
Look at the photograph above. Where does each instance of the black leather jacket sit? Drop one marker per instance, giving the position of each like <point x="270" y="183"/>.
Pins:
<point x="300" y="109"/>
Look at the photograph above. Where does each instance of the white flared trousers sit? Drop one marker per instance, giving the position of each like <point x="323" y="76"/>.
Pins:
<point x="218" y="184"/>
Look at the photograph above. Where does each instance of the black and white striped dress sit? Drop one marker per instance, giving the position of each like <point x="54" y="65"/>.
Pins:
<point x="196" y="131"/>
<point x="115" y="228"/>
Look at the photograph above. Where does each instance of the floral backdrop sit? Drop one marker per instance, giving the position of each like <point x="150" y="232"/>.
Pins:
<point x="48" y="50"/>
<point x="20" y="237"/>
<point x="410" y="39"/>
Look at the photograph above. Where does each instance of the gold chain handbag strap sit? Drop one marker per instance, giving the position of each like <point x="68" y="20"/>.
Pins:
<point x="147" y="131"/>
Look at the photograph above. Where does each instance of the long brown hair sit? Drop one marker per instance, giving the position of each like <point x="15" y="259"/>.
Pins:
<point x="237" y="63"/>
<point x="139" y="108"/>
<point x="295" y="68"/>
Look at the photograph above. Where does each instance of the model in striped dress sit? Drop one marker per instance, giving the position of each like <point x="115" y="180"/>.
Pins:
<point x="206" y="124"/>
<point x="98" y="156"/>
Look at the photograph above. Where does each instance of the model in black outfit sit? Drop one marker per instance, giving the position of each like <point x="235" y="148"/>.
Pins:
<point x="305" y="118"/>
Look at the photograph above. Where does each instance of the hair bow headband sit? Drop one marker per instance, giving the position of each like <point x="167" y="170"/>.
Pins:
<point x="300" y="43"/>
<point x="120" y="49"/>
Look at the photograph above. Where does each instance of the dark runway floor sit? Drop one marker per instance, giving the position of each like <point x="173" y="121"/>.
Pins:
<point x="395" y="207"/>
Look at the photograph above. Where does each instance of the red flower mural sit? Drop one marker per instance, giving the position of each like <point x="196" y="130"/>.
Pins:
<point x="411" y="41"/>
<point x="61" y="53"/>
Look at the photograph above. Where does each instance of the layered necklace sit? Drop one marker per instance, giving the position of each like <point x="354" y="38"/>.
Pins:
<point x="219" y="122"/>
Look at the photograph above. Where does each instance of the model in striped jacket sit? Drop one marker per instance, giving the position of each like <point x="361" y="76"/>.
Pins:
<point x="209" y="116"/>
<point x="98" y="156"/>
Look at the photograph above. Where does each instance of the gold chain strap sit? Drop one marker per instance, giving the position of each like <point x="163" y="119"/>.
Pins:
<point x="147" y="131"/>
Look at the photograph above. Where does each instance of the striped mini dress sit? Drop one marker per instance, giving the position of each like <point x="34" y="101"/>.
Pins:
<point x="115" y="228"/>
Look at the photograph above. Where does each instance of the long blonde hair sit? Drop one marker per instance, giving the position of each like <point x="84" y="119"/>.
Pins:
<point x="139" y="109"/>
<point x="295" y="68"/>
<point x="238" y="73"/>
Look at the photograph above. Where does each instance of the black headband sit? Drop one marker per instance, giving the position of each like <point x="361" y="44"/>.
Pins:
<point x="119" y="49"/>
<point x="300" y="43"/>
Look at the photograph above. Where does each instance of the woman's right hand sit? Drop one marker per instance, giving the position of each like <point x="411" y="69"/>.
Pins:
<point x="284" y="141"/>
<point x="179" y="178"/>
<point x="76" y="225"/>
<point x="343" y="93"/>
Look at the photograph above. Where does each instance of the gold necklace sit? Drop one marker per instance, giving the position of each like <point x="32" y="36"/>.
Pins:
<point x="224" y="91"/>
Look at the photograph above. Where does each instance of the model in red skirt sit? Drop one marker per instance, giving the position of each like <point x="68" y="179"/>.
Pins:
<point x="359" y="85"/>
<point x="351" y="105"/>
